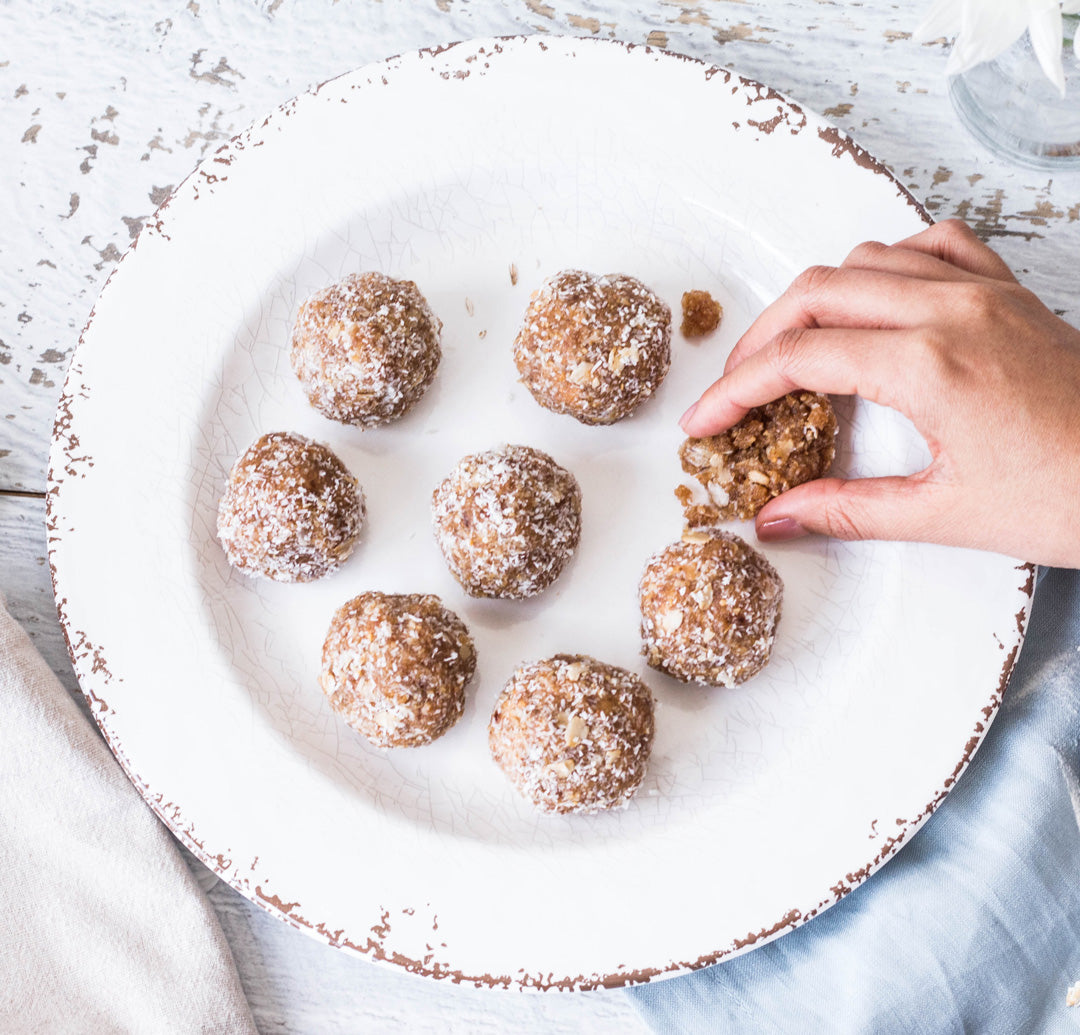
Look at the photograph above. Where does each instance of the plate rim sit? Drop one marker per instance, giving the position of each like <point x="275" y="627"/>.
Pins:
<point x="90" y="666"/>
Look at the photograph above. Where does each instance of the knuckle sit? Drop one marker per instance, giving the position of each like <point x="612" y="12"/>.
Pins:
<point x="866" y="254"/>
<point x="938" y="356"/>
<point x="930" y="340"/>
<point x="813" y="281"/>
<point x="785" y="349"/>
<point x="1017" y="294"/>
<point x="930" y="349"/>
<point x="980" y="302"/>
<point x="954" y="229"/>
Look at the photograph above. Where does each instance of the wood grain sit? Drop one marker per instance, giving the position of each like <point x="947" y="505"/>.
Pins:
<point x="296" y="984"/>
<point x="293" y="982"/>
<point x="99" y="139"/>
<point x="95" y="142"/>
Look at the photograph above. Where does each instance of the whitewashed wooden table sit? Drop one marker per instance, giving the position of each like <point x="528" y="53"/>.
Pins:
<point x="106" y="106"/>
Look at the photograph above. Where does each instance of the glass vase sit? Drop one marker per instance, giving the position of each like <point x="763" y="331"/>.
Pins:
<point x="1010" y="106"/>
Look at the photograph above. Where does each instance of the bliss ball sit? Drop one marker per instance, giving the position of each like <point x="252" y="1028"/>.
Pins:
<point x="291" y="511"/>
<point x="593" y="347"/>
<point x="394" y="667"/>
<point x="366" y="349"/>
<point x="507" y="521"/>
<point x="772" y="449"/>
<point x="709" y="608"/>
<point x="573" y="734"/>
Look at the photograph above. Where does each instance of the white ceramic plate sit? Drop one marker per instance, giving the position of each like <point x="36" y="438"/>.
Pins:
<point x="763" y="805"/>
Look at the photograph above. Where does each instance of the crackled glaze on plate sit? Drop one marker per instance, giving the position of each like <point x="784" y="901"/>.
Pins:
<point x="477" y="170"/>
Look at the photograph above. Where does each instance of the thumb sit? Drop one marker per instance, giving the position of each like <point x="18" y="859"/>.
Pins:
<point x="865" y="508"/>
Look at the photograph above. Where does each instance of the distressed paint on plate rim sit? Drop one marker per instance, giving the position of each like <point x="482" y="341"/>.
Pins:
<point x="91" y="665"/>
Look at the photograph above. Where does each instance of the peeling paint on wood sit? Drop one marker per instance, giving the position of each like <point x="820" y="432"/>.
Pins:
<point x="194" y="92"/>
<point x="182" y="108"/>
<point x="590" y="25"/>
<point x="744" y="32"/>
<point x="691" y="12"/>
<point x="218" y="75"/>
<point x="540" y="8"/>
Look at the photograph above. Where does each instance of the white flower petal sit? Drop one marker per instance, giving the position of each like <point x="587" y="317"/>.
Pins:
<point x="944" y="19"/>
<point x="1046" y="38"/>
<point x="962" y="57"/>
<point x="988" y="28"/>
<point x="966" y="53"/>
<point x="998" y="33"/>
<point x="984" y="40"/>
<point x="985" y="28"/>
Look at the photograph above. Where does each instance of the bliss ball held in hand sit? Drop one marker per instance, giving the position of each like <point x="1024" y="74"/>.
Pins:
<point x="593" y="347"/>
<point x="366" y="349"/>
<point x="709" y="608"/>
<point x="507" y="521"/>
<point x="573" y="734"/>
<point x="772" y="449"/>
<point x="291" y="511"/>
<point x="394" y="667"/>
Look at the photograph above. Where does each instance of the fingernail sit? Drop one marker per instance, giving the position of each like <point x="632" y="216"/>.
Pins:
<point x="685" y="418"/>
<point x="779" y="529"/>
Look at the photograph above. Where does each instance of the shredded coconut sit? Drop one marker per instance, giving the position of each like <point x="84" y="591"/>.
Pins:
<point x="594" y="347"/>
<point x="394" y="667"/>
<point x="709" y="608"/>
<point x="366" y="349"/>
<point x="507" y="521"/>
<point x="291" y="511"/>
<point x="573" y="734"/>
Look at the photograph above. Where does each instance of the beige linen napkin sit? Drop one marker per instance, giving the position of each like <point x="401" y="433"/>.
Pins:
<point x="102" y="927"/>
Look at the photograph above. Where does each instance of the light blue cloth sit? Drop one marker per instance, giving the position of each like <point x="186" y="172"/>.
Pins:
<point x="975" y="926"/>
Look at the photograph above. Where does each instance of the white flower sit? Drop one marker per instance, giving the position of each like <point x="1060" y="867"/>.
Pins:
<point x="984" y="28"/>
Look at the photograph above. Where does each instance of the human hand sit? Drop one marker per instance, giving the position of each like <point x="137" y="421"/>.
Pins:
<point x="938" y="328"/>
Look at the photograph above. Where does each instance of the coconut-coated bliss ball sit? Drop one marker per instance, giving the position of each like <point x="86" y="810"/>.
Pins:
<point x="594" y="347"/>
<point x="366" y="348"/>
<point x="395" y="667"/>
<point x="573" y="734"/>
<point x="709" y="608"/>
<point x="507" y="521"/>
<point x="291" y="511"/>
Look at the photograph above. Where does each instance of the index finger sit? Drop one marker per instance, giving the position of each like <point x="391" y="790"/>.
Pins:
<point x="837" y="361"/>
<point x="953" y="241"/>
<point x="848" y="296"/>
